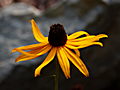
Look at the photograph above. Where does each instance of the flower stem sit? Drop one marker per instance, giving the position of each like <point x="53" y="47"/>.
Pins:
<point x="56" y="75"/>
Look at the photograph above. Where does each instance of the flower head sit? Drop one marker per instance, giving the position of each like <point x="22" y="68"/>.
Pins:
<point x="60" y="44"/>
<point x="57" y="35"/>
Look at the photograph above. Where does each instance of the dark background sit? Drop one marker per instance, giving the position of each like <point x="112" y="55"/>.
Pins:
<point x="94" y="16"/>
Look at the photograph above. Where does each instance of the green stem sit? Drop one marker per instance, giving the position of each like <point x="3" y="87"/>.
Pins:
<point x="56" y="74"/>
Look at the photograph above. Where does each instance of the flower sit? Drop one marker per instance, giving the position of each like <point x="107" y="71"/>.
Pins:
<point x="60" y="44"/>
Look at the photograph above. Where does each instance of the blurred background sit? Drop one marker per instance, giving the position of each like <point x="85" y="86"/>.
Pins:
<point x="95" y="16"/>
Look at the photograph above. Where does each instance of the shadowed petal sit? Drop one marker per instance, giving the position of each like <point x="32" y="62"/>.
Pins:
<point x="48" y="59"/>
<point x="63" y="61"/>
<point x="76" y="61"/>
<point x="36" y="32"/>
<point x="36" y="52"/>
<point x="77" y="52"/>
<point x="77" y="34"/>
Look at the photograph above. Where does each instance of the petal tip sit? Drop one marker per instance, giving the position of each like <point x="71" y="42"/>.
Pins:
<point x="101" y="45"/>
<point x="32" y="20"/>
<point x="87" y="75"/>
<point x="17" y="60"/>
<point x="67" y="77"/>
<point x="37" y="73"/>
<point x="13" y="50"/>
<point x="105" y="36"/>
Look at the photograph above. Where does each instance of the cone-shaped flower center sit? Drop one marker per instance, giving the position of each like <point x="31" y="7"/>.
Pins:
<point x="57" y="35"/>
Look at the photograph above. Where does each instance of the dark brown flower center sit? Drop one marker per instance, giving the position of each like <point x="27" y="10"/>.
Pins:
<point x="57" y="35"/>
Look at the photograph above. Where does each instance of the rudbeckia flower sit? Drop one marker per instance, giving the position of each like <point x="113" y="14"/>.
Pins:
<point x="59" y="44"/>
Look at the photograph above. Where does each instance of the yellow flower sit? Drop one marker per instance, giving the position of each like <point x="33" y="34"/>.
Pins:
<point x="60" y="44"/>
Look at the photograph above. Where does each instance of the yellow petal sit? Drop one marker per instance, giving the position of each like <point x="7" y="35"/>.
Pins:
<point x="95" y="38"/>
<point x="25" y="58"/>
<point x="27" y="53"/>
<point x="36" y="32"/>
<point x="63" y="61"/>
<point x="84" y="45"/>
<point x="85" y="40"/>
<point x="76" y="61"/>
<point x="48" y="59"/>
<point x="81" y="39"/>
<point x="29" y="47"/>
<point x="77" y="34"/>
<point x="77" y="52"/>
<point x="23" y="52"/>
<point x="36" y="52"/>
<point x="102" y="36"/>
<point x="44" y="50"/>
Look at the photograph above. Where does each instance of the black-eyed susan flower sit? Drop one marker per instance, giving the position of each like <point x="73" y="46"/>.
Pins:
<point x="60" y="44"/>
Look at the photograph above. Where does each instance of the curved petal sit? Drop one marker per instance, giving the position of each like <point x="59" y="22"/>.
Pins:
<point x="44" y="50"/>
<point x="77" y="34"/>
<point x="23" y="52"/>
<point x="83" y="46"/>
<point x="76" y="61"/>
<point x="81" y="39"/>
<point x="36" y="32"/>
<point x="27" y="53"/>
<point x="88" y="39"/>
<point x="77" y="52"/>
<point x="63" y="61"/>
<point x="48" y="59"/>
<point x="36" y="52"/>
<point x="30" y="47"/>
